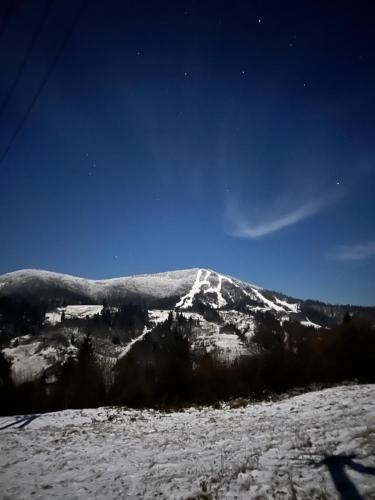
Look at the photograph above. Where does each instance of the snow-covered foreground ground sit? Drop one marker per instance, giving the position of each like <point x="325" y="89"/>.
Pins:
<point x="268" y="450"/>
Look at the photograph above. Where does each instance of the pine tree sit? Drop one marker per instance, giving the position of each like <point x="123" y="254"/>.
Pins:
<point x="86" y="351"/>
<point x="90" y="387"/>
<point x="5" y="370"/>
<point x="6" y="386"/>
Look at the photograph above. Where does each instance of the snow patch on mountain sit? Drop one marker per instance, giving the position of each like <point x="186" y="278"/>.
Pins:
<point x="188" y="299"/>
<point x="203" y="285"/>
<point x="268" y="303"/>
<point x="32" y="281"/>
<point x="134" y="341"/>
<point x="294" y="308"/>
<point x="30" y="358"/>
<point x="244" y="322"/>
<point x="307" y="322"/>
<point x="73" y="312"/>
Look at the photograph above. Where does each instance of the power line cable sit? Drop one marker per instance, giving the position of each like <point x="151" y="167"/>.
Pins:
<point x="27" y="55"/>
<point x="44" y="82"/>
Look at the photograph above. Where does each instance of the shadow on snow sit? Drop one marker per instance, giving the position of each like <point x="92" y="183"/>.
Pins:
<point x="20" y="422"/>
<point x="336" y="465"/>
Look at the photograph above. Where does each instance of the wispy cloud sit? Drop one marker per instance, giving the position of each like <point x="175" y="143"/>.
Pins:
<point x="240" y="225"/>
<point x="359" y="251"/>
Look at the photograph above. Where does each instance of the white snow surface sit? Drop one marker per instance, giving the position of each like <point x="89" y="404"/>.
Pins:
<point x="287" y="306"/>
<point x="30" y="360"/>
<point x="261" y="451"/>
<point x="183" y="285"/>
<point x="307" y="322"/>
<point x="152" y="285"/>
<point x="134" y="341"/>
<point x="268" y="303"/>
<point x="73" y="312"/>
<point x="244" y="322"/>
<point x="203" y="285"/>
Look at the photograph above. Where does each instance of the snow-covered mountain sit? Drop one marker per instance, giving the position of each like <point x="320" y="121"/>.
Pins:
<point x="225" y="312"/>
<point x="182" y="290"/>
<point x="179" y="290"/>
<point x="45" y="285"/>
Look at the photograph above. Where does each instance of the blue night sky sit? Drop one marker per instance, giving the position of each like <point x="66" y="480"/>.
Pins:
<point x="234" y="135"/>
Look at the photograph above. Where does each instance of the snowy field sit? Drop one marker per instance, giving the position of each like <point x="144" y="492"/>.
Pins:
<point x="73" y="312"/>
<point x="293" y="448"/>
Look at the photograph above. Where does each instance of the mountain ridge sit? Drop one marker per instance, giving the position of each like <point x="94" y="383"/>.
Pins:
<point x="226" y="313"/>
<point x="38" y="273"/>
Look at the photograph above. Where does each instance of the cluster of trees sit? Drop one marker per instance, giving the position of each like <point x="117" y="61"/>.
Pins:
<point x="158" y="370"/>
<point x="78" y="383"/>
<point x="121" y="322"/>
<point x="128" y="316"/>
<point x="291" y="356"/>
<point x="207" y="312"/>
<point x="157" y="374"/>
<point x="162" y="371"/>
<point x="21" y="317"/>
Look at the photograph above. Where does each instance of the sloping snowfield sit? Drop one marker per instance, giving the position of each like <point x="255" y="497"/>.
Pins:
<point x="271" y="450"/>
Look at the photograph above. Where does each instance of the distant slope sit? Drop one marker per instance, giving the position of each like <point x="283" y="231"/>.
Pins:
<point x="226" y="312"/>
<point x="44" y="285"/>
<point x="186" y="289"/>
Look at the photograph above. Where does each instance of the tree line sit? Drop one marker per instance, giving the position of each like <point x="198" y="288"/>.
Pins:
<point x="162" y="371"/>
